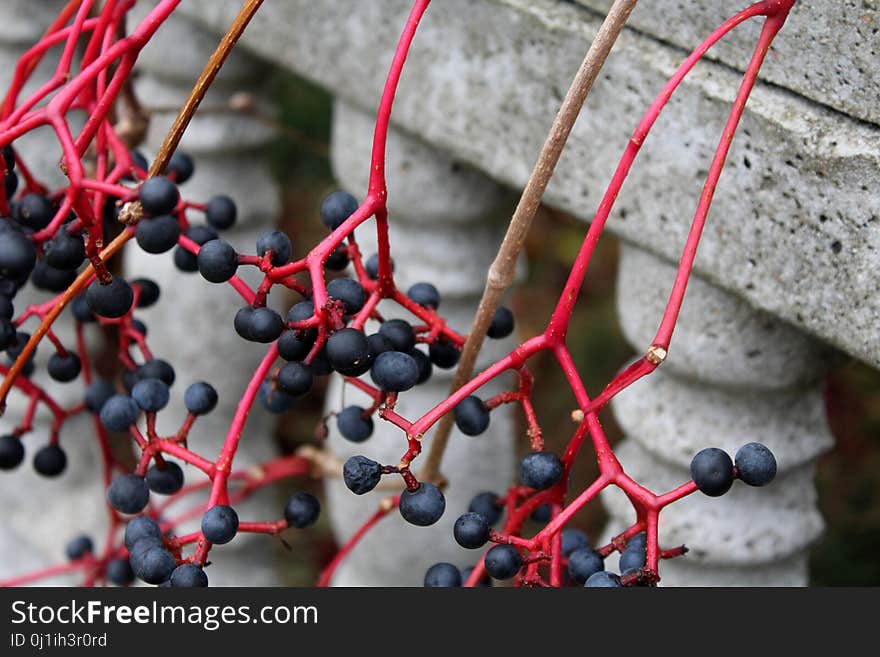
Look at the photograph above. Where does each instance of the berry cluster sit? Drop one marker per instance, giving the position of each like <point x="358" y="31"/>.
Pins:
<point x="56" y="241"/>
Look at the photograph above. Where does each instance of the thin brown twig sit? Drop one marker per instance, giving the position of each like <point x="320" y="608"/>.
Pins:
<point x="172" y="138"/>
<point x="501" y="273"/>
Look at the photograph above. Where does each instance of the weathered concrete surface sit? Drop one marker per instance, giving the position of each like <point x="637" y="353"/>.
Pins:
<point x="794" y="228"/>
<point x="833" y="44"/>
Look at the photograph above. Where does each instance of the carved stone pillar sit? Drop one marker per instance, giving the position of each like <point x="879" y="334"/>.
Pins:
<point x="441" y="232"/>
<point x="192" y="325"/>
<point x="734" y="375"/>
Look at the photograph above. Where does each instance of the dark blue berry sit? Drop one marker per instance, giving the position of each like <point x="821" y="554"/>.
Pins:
<point x="201" y="234"/>
<point x="166" y="480"/>
<point x="486" y="504"/>
<point x="540" y="470"/>
<point x="542" y="514"/>
<point x="293" y="346"/>
<point x="66" y="252"/>
<point x="157" y="368"/>
<point x="302" y="509"/>
<point x="640" y="540"/>
<point x="349" y="292"/>
<point x="180" y="167"/>
<point x="9" y="157"/>
<point x="10" y="182"/>
<point x="442" y="575"/>
<point x="154" y="565"/>
<point x="399" y="333"/>
<point x="423" y="506"/>
<point x="444" y="354"/>
<point x="394" y="371"/>
<point x="7" y="334"/>
<point x="151" y="395"/>
<point x="220" y="212"/>
<point x="139" y="160"/>
<point x="320" y="364"/>
<point x="200" y="398"/>
<point x="336" y="208"/>
<point x="46" y="277"/>
<point x="189" y="576"/>
<point x="755" y="464"/>
<point x="274" y="400"/>
<point x="119" y="572"/>
<point x="217" y="261"/>
<point x="361" y="475"/>
<point x="632" y="558"/>
<point x="149" y="292"/>
<point x="582" y="563"/>
<point x="50" y="461"/>
<point x="220" y="524"/>
<point x="265" y="325"/>
<point x="64" y="368"/>
<point x="141" y="527"/>
<point x="11" y="452"/>
<point x="157" y="234"/>
<point x="338" y="259"/>
<point x="503" y="561"/>
<point x="158" y="196"/>
<point x="379" y="344"/>
<point x="7" y="310"/>
<point x="276" y="242"/>
<point x="353" y="425"/>
<point x="471" y="530"/>
<point x="295" y="379"/>
<point x="426" y="368"/>
<point x="603" y="580"/>
<point x="111" y="300"/>
<point x="78" y="547"/>
<point x="128" y="493"/>
<point x="81" y="311"/>
<point x="424" y="294"/>
<point x="347" y="349"/>
<point x="712" y="471"/>
<point x="34" y="211"/>
<point x="573" y="539"/>
<point x="17" y="255"/>
<point x="301" y="312"/>
<point x="118" y="413"/>
<point x="471" y="416"/>
<point x="372" y="266"/>
<point x="502" y="323"/>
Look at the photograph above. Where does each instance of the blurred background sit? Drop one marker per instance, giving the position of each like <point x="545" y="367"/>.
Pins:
<point x="848" y="477"/>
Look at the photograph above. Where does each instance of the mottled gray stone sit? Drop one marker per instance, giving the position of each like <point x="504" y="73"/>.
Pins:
<point x="827" y="51"/>
<point x="719" y="337"/>
<point x="794" y="226"/>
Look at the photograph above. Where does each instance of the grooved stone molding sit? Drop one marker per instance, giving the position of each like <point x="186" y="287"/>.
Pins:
<point x="734" y="375"/>
<point x="439" y="212"/>
<point x="193" y="327"/>
<point x="834" y="43"/>
<point x="794" y="229"/>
